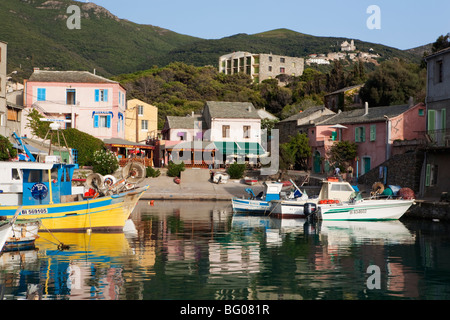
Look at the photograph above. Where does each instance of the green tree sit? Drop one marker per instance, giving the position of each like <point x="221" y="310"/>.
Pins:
<point x="342" y="152"/>
<point x="7" y="150"/>
<point x="442" y="42"/>
<point x="296" y="152"/>
<point x="394" y="82"/>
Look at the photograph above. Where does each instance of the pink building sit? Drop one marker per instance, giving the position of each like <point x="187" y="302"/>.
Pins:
<point x="85" y="101"/>
<point x="373" y="129"/>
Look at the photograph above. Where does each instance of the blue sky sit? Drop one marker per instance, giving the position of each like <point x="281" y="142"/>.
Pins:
<point x="404" y="24"/>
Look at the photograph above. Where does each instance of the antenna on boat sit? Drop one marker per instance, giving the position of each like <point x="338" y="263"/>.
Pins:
<point x="55" y="126"/>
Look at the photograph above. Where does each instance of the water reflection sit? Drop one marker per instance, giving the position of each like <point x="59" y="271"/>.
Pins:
<point x="200" y="250"/>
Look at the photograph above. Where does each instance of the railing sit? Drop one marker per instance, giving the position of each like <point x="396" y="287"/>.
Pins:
<point x="435" y="138"/>
<point x="147" y="162"/>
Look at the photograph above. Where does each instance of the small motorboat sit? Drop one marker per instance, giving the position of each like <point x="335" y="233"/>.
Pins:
<point x="220" y="177"/>
<point x="250" y="181"/>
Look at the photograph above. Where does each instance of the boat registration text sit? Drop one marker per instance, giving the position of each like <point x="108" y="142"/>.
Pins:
<point x="34" y="211"/>
<point x="358" y="211"/>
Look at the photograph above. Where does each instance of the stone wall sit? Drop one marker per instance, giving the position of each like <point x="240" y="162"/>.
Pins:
<point x="403" y="170"/>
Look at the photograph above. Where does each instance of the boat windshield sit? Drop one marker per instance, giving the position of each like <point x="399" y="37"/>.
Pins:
<point x="355" y="197"/>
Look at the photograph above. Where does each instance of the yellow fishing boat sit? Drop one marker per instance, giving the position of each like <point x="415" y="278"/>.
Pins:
<point x="44" y="191"/>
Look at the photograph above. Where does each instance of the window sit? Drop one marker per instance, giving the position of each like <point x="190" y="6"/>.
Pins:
<point x="282" y="70"/>
<point x="439" y="71"/>
<point x="246" y="132"/>
<point x="270" y="68"/>
<point x="140" y="110"/>
<point x="102" y="121"/>
<point x="225" y="131"/>
<point x="282" y="60"/>
<point x="270" y="59"/>
<point x="421" y="112"/>
<point x="360" y="134"/>
<point x="70" y="96"/>
<point x="41" y="94"/>
<point x="101" y="95"/>
<point x="144" y="125"/>
<point x="373" y="132"/>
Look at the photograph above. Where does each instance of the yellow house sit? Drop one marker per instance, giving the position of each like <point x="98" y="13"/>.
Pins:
<point x="141" y="121"/>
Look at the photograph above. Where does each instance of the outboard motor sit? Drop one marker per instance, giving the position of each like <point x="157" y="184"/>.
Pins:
<point x="310" y="210"/>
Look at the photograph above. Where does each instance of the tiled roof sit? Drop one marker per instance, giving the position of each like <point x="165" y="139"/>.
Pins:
<point x="67" y="76"/>
<point x="374" y="114"/>
<point x="307" y="112"/>
<point x="187" y="122"/>
<point x="242" y="110"/>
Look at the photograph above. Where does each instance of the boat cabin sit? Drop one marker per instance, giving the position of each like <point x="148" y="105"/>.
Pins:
<point x="35" y="183"/>
<point x="333" y="189"/>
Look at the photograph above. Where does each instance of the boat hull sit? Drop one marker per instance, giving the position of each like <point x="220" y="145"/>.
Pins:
<point x="5" y="232"/>
<point x="248" y="205"/>
<point x="288" y="209"/>
<point x="107" y="213"/>
<point x="366" y="210"/>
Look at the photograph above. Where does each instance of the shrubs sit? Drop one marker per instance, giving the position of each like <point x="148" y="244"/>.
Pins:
<point x="236" y="170"/>
<point x="104" y="162"/>
<point x="174" y="170"/>
<point x="152" y="172"/>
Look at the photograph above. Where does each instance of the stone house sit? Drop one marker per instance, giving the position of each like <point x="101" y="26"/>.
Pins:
<point x="261" y="66"/>
<point x="344" y="99"/>
<point x="436" y="173"/>
<point x="301" y="122"/>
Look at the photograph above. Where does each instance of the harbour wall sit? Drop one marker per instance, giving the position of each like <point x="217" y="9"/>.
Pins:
<point x="429" y="210"/>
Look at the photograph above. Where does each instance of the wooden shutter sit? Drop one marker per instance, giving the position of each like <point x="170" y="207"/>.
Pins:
<point x="96" y="121"/>
<point x="373" y="132"/>
<point x="97" y="95"/>
<point x="428" y="175"/>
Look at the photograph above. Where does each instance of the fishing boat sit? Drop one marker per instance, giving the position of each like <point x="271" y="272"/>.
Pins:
<point x="332" y="191"/>
<point x="44" y="191"/>
<point x="261" y="203"/>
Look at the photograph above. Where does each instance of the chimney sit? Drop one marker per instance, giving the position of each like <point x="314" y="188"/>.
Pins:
<point x="411" y="102"/>
<point x="35" y="69"/>
<point x="366" y="108"/>
<point x="249" y="109"/>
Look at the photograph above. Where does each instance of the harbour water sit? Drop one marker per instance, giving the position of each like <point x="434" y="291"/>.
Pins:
<point x="186" y="250"/>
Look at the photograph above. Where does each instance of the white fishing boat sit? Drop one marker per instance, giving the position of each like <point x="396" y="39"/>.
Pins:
<point x="365" y="209"/>
<point x="332" y="191"/>
<point x="261" y="203"/>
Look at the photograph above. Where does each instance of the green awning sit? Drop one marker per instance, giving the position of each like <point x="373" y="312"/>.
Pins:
<point x="227" y="147"/>
<point x="253" y="148"/>
<point x="239" y="148"/>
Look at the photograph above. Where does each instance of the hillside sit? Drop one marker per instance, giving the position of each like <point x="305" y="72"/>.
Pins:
<point x="38" y="36"/>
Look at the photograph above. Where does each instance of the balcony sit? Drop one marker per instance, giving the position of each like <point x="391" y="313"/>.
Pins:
<point x="435" y="138"/>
